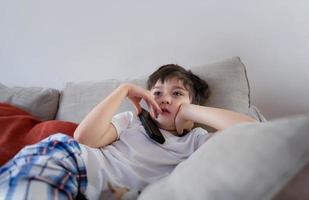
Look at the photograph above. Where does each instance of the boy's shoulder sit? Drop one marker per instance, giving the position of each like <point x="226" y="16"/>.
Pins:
<point x="125" y="120"/>
<point x="126" y="115"/>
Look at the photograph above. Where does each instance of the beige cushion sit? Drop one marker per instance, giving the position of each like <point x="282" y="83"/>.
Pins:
<point x="40" y="102"/>
<point x="227" y="81"/>
<point x="248" y="161"/>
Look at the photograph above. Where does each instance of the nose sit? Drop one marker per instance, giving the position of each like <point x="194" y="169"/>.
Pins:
<point x="165" y="99"/>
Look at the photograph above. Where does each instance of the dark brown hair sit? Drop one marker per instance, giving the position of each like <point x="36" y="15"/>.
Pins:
<point x="197" y="87"/>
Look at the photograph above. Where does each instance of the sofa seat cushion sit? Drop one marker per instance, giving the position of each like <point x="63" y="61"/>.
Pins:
<point x="19" y="128"/>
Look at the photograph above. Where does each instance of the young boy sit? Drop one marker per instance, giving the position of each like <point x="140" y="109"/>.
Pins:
<point x="113" y="153"/>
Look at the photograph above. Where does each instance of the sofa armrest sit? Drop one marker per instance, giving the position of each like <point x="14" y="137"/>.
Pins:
<point x="255" y="113"/>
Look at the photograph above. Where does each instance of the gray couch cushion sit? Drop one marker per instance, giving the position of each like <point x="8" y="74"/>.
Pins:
<point x="228" y="83"/>
<point x="248" y="161"/>
<point x="297" y="187"/>
<point x="255" y="113"/>
<point x="40" y="102"/>
<point x="227" y="80"/>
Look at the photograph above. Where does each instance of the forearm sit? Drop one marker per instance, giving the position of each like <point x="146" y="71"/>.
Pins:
<point x="95" y="124"/>
<point x="215" y="117"/>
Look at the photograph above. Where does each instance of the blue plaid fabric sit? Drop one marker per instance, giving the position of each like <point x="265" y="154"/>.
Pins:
<point x="50" y="169"/>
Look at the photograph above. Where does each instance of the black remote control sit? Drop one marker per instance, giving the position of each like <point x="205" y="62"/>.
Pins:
<point x="151" y="128"/>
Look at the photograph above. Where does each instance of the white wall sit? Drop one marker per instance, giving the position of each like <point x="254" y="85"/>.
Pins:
<point x="47" y="43"/>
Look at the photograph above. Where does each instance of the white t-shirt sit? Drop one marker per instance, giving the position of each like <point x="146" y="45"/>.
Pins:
<point x="135" y="160"/>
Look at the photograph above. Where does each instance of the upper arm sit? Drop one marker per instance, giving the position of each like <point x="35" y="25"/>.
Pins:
<point x="108" y="137"/>
<point x="118" y="124"/>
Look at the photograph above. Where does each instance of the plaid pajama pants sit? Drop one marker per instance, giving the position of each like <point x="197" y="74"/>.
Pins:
<point x="50" y="169"/>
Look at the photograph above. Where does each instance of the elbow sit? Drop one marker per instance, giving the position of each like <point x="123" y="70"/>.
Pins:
<point x="252" y="120"/>
<point x="247" y="120"/>
<point x="82" y="137"/>
<point x="78" y="136"/>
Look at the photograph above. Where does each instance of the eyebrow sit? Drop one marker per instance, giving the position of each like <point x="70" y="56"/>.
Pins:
<point x="175" y="87"/>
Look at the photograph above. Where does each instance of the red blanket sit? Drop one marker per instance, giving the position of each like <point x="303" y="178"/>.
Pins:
<point x="19" y="128"/>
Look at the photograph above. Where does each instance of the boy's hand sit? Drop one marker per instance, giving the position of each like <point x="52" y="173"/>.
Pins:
<point x="136" y="94"/>
<point x="118" y="192"/>
<point x="182" y="124"/>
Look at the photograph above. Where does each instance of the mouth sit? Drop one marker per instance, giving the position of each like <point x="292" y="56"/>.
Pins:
<point x="165" y="111"/>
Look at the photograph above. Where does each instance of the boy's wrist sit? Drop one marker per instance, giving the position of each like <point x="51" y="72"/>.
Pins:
<point x="184" y="111"/>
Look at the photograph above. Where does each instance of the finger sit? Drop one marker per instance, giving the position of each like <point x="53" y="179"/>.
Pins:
<point x="151" y="111"/>
<point x="153" y="104"/>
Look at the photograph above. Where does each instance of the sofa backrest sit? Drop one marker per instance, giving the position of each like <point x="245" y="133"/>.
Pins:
<point x="227" y="79"/>
<point x="40" y="102"/>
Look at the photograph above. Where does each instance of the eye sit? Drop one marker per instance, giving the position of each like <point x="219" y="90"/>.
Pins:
<point x="177" y="93"/>
<point x="157" y="93"/>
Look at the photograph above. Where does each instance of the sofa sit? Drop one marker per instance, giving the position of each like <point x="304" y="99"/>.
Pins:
<point x="266" y="160"/>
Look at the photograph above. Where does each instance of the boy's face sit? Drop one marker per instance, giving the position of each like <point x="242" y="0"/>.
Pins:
<point x="169" y="96"/>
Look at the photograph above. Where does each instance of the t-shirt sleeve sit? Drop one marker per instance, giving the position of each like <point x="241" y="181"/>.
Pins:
<point x="202" y="137"/>
<point x="122" y="121"/>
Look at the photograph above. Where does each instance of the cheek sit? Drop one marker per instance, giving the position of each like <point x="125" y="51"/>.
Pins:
<point x="183" y="101"/>
<point x="156" y="98"/>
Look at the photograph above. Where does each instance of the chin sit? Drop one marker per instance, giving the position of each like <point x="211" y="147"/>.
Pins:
<point x="167" y="127"/>
<point x="165" y="124"/>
